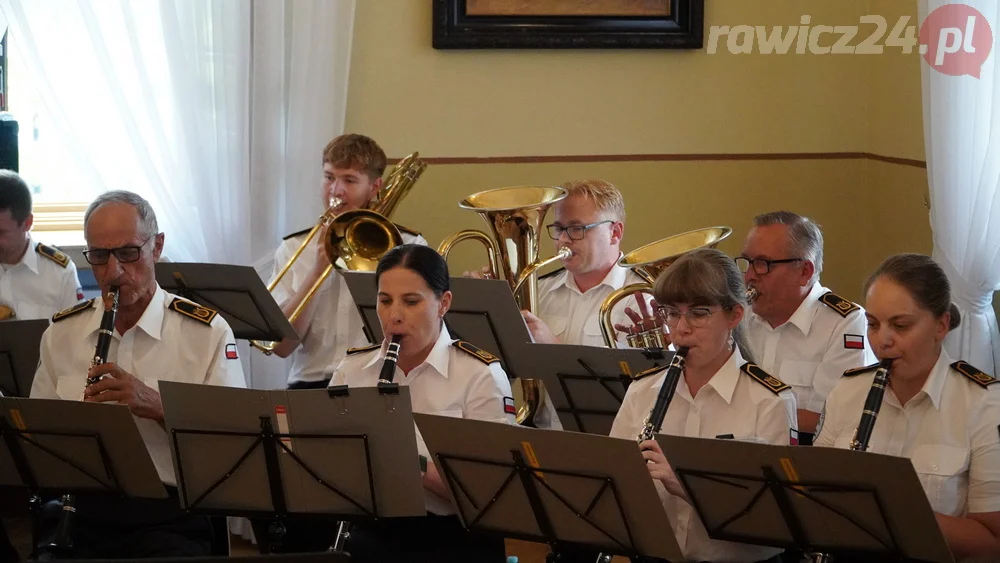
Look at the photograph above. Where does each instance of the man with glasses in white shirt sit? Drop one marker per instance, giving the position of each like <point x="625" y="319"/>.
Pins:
<point x="157" y="337"/>
<point x="798" y="330"/>
<point x="590" y="221"/>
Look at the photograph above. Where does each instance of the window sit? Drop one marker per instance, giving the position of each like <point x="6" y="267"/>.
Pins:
<point x="60" y="198"/>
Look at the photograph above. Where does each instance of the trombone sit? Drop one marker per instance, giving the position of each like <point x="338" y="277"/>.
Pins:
<point x="647" y="262"/>
<point x="356" y="238"/>
<point x="515" y="216"/>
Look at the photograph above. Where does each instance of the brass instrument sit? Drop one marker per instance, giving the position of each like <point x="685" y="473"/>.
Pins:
<point x="358" y="238"/>
<point x="752" y="294"/>
<point x="7" y="312"/>
<point x="647" y="262"/>
<point x="62" y="540"/>
<point x="515" y="216"/>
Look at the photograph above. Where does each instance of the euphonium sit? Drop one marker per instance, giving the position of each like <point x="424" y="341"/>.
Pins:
<point x="647" y="262"/>
<point x="385" y="378"/>
<point x="515" y="216"/>
<point x="654" y="420"/>
<point x="356" y="238"/>
<point x="62" y="540"/>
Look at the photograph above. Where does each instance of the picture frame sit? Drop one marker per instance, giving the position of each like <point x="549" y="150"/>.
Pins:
<point x="568" y="24"/>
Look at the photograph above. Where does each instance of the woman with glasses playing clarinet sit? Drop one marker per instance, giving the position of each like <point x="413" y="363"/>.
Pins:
<point x="717" y="393"/>
<point x="942" y="414"/>
<point x="446" y="377"/>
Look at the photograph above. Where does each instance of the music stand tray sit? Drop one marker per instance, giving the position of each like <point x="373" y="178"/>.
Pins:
<point x="482" y="312"/>
<point x="586" y="384"/>
<point x="236" y="292"/>
<point x="550" y="486"/>
<point x="856" y="505"/>
<point x="276" y="453"/>
<point x="58" y="446"/>
<point x="20" y="343"/>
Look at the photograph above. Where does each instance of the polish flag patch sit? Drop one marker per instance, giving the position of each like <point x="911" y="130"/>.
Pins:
<point x="508" y="405"/>
<point x="79" y="294"/>
<point x="231" y="352"/>
<point x="854" y="342"/>
<point x="793" y="437"/>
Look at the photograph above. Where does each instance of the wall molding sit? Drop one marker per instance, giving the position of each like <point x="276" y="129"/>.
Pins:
<point x="695" y="157"/>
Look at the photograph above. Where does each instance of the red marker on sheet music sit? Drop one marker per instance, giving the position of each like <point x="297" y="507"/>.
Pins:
<point x="281" y="417"/>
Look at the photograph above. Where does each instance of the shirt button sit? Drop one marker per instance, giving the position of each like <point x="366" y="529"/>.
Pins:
<point x="934" y="467"/>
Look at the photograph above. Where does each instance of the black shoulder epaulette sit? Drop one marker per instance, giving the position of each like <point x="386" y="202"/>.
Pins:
<point x="65" y="313"/>
<point x="53" y="253"/>
<point x="648" y="372"/>
<point x="361" y="349"/>
<point x="407" y="230"/>
<point x="842" y="306"/>
<point x="552" y="273"/>
<point x="767" y="380"/>
<point x="479" y="353"/>
<point x="858" y="371"/>
<point x="193" y="310"/>
<point x="296" y="233"/>
<point x="977" y="376"/>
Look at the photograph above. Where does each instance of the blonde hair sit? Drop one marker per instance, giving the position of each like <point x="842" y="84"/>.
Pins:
<point x="606" y="197"/>
<point x="356" y="151"/>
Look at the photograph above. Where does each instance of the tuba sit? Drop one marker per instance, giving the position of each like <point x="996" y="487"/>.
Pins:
<point x="355" y="240"/>
<point x="647" y="262"/>
<point x="515" y="217"/>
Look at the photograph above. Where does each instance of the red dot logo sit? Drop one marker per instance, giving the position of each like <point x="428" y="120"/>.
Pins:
<point x="956" y="39"/>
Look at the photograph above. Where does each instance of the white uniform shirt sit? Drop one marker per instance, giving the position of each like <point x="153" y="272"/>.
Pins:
<point x="336" y="324"/>
<point x="450" y="382"/>
<point x="948" y="430"/>
<point x="43" y="283"/>
<point x="731" y="403"/>
<point x="812" y="349"/>
<point x="574" y="317"/>
<point x="165" y="345"/>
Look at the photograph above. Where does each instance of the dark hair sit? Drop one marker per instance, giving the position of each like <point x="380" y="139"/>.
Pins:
<point x="423" y="260"/>
<point x="704" y="277"/>
<point x="924" y="280"/>
<point x="15" y="196"/>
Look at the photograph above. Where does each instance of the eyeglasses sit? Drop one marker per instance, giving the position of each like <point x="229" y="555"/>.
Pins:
<point x="124" y="254"/>
<point x="761" y="266"/>
<point x="575" y="232"/>
<point x="696" y="317"/>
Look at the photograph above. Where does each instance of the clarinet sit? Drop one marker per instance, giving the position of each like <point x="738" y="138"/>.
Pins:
<point x="62" y="540"/>
<point x="654" y="420"/>
<point x="863" y="433"/>
<point x="384" y="379"/>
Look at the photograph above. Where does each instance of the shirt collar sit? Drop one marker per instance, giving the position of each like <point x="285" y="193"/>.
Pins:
<point x="614" y="279"/>
<point x="724" y="381"/>
<point x="934" y="386"/>
<point x="437" y="358"/>
<point x="30" y="258"/>
<point x="151" y="321"/>
<point x="806" y="312"/>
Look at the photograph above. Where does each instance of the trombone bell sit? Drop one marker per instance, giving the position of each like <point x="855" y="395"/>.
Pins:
<point x="360" y="238"/>
<point x="648" y="262"/>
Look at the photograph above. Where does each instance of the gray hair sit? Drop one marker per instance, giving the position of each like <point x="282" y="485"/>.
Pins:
<point x="804" y="236"/>
<point x="147" y="218"/>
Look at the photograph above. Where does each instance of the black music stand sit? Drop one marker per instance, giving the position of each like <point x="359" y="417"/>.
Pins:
<point x="857" y="506"/>
<point x="51" y="446"/>
<point x="483" y="312"/>
<point x="282" y="454"/>
<point x="19" y="349"/>
<point x="236" y="292"/>
<point x="559" y="488"/>
<point x="586" y="384"/>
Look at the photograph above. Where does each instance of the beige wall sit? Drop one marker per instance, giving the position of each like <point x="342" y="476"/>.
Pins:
<point x="483" y="104"/>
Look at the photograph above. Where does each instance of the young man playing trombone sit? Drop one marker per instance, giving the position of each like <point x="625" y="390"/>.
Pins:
<point x="330" y="323"/>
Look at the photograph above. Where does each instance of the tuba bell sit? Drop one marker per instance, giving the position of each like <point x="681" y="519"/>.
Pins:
<point x="647" y="262"/>
<point x="515" y="216"/>
<point x="355" y="240"/>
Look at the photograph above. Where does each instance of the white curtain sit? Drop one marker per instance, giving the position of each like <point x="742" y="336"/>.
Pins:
<point x="962" y="137"/>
